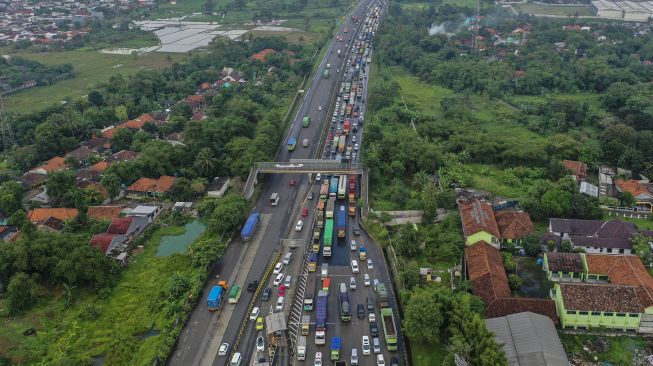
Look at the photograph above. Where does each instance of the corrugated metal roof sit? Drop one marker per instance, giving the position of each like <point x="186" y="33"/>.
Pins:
<point x="528" y="339"/>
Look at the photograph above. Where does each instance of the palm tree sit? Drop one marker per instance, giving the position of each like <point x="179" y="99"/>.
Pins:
<point x="205" y="162"/>
<point x="421" y="179"/>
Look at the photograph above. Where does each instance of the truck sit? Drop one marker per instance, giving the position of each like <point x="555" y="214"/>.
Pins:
<point x="214" y="300"/>
<point x="348" y="110"/>
<point x="234" y="294"/>
<point x="316" y="247"/>
<point x="306" y="324"/>
<point x="333" y="188"/>
<point x="382" y="295"/>
<point x="321" y="317"/>
<point x="347" y="87"/>
<point x="324" y="271"/>
<point x="341" y="145"/>
<point x="352" y="205"/>
<point x="312" y="260"/>
<point x="342" y="222"/>
<point x="362" y="253"/>
<point x="249" y="227"/>
<point x="292" y="142"/>
<point x="342" y="187"/>
<point x="306" y="121"/>
<point x="330" y="207"/>
<point x="328" y="238"/>
<point x="301" y="348"/>
<point x="352" y="183"/>
<point x="326" y="284"/>
<point x="345" y="128"/>
<point x="335" y="348"/>
<point x="324" y="190"/>
<point x="310" y="293"/>
<point x="389" y="329"/>
<point x="326" y="73"/>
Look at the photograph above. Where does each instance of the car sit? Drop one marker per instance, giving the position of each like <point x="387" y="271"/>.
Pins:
<point x="379" y="360"/>
<point x="267" y="292"/>
<point x="354" y="266"/>
<point x="299" y="226"/>
<point x="352" y="246"/>
<point x="356" y="147"/>
<point x="318" y="359"/>
<point x="354" y="357"/>
<point x="282" y="290"/>
<point x="288" y="281"/>
<point x="357" y="231"/>
<point x="352" y="283"/>
<point x="279" y="279"/>
<point x="259" y="323"/>
<point x="353" y="138"/>
<point x="374" y="329"/>
<point x="292" y="182"/>
<point x="370" y="304"/>
<point x="376" y="345"/>
<point x="318" y="177"/>
<point x="376" y="282"/>
<point x="370" y="266"/>
<point x="254" y="314"/>
<point x="252" y="285"/>
<point x="333" y="120"/>
<point x="260" y="344"/>
<point x="310" y="195"/>
<point x="366" y="346"/>
<point x="277" y="268"/>
<point x="319" y="108"/>
<point x="222" y="351"/>
<point x="371" y="317"/>
<point x="280" y="301"/>
<point x="304" y="212"/>
<point x="361" y="311"/>
<point x="366" y="280"/>
<point x="394" y="361"/>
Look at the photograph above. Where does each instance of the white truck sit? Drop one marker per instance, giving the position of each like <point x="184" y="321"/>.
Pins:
<point x="301" y="348"/>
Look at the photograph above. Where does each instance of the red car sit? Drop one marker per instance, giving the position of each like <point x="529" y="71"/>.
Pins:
<point x="304" y="212"/>
<point x="282" y="290"/>
<point x="292" y="182"/>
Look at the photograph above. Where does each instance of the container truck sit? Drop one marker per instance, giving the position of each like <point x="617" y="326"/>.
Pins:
<point x="389" y="329"/>
<point x="330" y="207"/>
<point x="306" y="324"/>
<point x="324" y="270"/>
<point x="324" y="190"/>
<point x="249" y="227"/>
<point x="321" y="317"/>
<point x="335" y="348"/>
<point x="328" y="238"/>
<point x="301" y="348"/>
<point x="382" y="295"/>
<point x="326" y="284"/>
<point x="345" y="128"/>
<point x="348" y="110"/>
<point x="310" y="293"/>
<point x="333" y="188"/>
<point x="316" y="247"/>
<point x="234" y="294"/>
<point x="352" y="205"/>
<point x="341" y="145"/>
<point x="214" y="300"/>
<point x="342" y="222"/>
<point x="345" y="306"/>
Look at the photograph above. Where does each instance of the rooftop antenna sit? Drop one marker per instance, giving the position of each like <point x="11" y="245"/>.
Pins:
<point x="8" y="140"/>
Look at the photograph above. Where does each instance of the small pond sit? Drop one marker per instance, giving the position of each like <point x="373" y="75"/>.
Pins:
<point x="171" y="244"/>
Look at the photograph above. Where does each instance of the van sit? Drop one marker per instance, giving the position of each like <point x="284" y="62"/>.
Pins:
<point x="376" y="345"/>
<point x="305" y="142"/>
<point x="354" y="357"/>
<point x="235" y="361"/>
<point x="287" y="258"/>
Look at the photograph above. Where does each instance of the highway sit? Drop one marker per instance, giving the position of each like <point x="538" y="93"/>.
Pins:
<point x="196" y="343"/>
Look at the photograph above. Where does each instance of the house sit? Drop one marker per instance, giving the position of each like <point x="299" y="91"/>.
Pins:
<point x="614" y="291"/>
<point x="32" y="180"/>
<point x="121" y="156"/>
<point x="138" y="123"/>
<point x="594" y="236"/>
<point x="528" y="339"/>
<point x="262" y="55"/>
<point x="489" y="282"/>
<point x="184" y="207"/>
<point x="41" y="214"/>
<point x="109" y="244"/>
<point x="589" y="189"/>
<point x="148" y="187"/>
<point x="642" y="191"/>
<point x="129" y="226"/>
<point x="218" y="186"/>
<point x="196" y="102"/>
<point x="104" y="212"/>
<point x="7" y="233"/>
<point x="108" y="132"/>
<point x="53" y="165"/>
<point x="148" y="212"/>
<point x="81" y="155"/>
<point x="578" y="170"/>
<point x="97" y="144"/>
<point x="99" y="167"/>
<point x="481" y="223"/>
<point x="51" y="224"/>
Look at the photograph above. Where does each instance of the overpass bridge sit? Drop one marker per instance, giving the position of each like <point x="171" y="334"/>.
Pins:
<point x="299" y="166"/>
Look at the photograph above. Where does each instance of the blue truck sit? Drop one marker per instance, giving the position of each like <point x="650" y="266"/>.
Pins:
<point x="215" y="296"/>
<point x="333" y="188"/>
<point x="335" y="348"/>
<point x="342" y="222"/>
<point x="321" y="317"/>
<point x="250" y="226"/>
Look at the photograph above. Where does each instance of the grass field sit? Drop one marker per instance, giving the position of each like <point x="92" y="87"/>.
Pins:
<point x="605" y="350"/>
<point x="580" y="10"/>
<point x="90" y="67"/>
<point x="643" y="224"/>
<point x="427" y="354"/>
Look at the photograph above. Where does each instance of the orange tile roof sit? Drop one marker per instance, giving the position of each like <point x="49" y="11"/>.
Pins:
<point x="107" y="212"/>
<point x="162" y="185"/>
<point x="263" y="55"/>
<point x="108" y="133"/>
<point x="100" y="167"/>
<point x="137" y="124"/>
<point x="54" y="164"/>
<point x="632" y="186"/>
<point x="486" y="272"/>
<point x="477" y="216"/>
<point x="205" y="86"/>
<point x="514" y="224"/>
<point x="195" y="98"/>
<point x="577" y="168"/>
<point x="39" y="214"/>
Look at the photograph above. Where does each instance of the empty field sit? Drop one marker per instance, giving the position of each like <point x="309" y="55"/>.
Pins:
<point x="580" y="10"/>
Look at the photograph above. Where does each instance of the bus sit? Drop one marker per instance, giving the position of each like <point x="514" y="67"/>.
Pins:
<point x="328" y="238"/>
<point x="345" y="308"/>
<point x="306" y="121"/>
<point x="342" y="187"/>
<point x="292" y="142"/>
<point x="249" y="227"/>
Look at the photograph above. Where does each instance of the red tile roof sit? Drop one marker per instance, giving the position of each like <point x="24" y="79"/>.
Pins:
<point x="39" y="214"/>
<point x="105" y="212"/>
<point x="477" y="216"/>
<point x="162" y="185"/>
<point x="486" y="272"/>
<point x="514" y="224"/>
<point x="633" y="186"/>
<point x="263" y="55"/>
<point x="120" y="225"/>
<point x="565" y="262"/>
<point x="99" y="167"/>
<point x="137" y="124"/>
<point x="108" y="133"/>
<point x="101" y="241"/>
<point x="195" y="99"/>
<point x="513" y="305"/>
<point x="577" y="168"/>
<point x="52" y="165"/>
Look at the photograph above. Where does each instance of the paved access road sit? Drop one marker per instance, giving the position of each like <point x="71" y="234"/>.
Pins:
<point x="194" y="343"/>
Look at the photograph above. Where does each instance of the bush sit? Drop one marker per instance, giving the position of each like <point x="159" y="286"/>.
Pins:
<point x="508" y="262"/>
<point x="514" y="281"/>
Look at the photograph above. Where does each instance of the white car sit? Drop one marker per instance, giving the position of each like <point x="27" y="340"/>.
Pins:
<point x="366" y="280"/>
<point x="354" y="357"/>
<point x="280" y="301"/>
<point x="278" y="268"/>
<point x="287" y="281"/>
<point x="379" y="360"/>
<point x="352" y="283"/>
<point x="376" y="282"/>
<point x="279" y="279"/>
<point x="254" y="314"/>
<point x="353" y="138"/>
<point x="370" y="266"/>
<point x="354" y="266"/>
<point x="260" y="344"/>
<point x="371" y="317"/>
<point x="355" y="147"/>
<point x="319" y="108"/>
<point x="352" y="246"/>
<point x="367" y="350"/>
<point x="299" y="226"/>
<point x="222" y="351"/>
<point x="318" y="359"/>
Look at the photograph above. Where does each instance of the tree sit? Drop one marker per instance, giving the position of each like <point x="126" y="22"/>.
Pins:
<point x="96" y="98"/>
<point x="627" y="199"/>
<point x="423" y="316"/>
<point x="111" y="183"/>
<point x="641" y="248"/>
<point x="205" y="162"/>
<point x="514" y="281"/>
<point x="18" y="218"/>
<point x="532" y="245"/>
<point x="122" y="139"/>
<point x="178" y="285"/>
<point x="566" y="246"/>
<point x="182" y="191"/>
<point x="59" y="184"/>
<point x="228" y="214"/>
<point x="21" y="292"/>
<point x="407" y="241"/>
<point x="11" y="195"/>
<point x="198" y="186"/>
<point x="121" y="112"/>
<point x="209" y="6"/>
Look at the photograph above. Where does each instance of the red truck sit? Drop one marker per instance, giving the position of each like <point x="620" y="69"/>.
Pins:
<point x="345" y="128"/>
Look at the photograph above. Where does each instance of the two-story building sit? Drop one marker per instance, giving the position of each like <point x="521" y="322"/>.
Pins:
<point x="594" y="236"/>
<point x="481" y="223"/>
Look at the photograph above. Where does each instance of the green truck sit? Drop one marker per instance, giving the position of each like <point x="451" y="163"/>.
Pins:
<point x="306" y="121"/>
<point x="234" y="294"/>
<point x="389" y="329"/>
